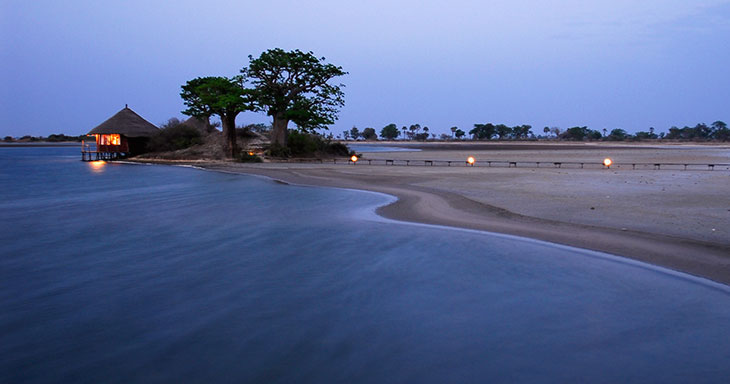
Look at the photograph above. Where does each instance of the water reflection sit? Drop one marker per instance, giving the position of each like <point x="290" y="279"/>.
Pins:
<point x="137" y="273"/>
<point x="97" y="166"/>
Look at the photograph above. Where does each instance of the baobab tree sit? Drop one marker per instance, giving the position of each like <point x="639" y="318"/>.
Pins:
<point x="222" y="96"/>
<point x="294" y="86"/>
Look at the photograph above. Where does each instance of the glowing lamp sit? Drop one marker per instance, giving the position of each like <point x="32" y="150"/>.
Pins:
<point x="607" y="162"/>
<point x="354" y="159"/>
<point x="470" y="160"/>
<point x="250" y="153"/>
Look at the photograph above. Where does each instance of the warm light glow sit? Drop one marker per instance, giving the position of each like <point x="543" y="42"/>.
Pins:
<point x="97" y="166"/>
<point x="607" y="162"/>
<point x="250" y="153"/>
<point x="113" y="139"/>
<point x="354" y="159"/>
<point x="470" y="160"/>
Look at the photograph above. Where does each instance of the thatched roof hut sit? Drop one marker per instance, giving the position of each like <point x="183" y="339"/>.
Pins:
<point x="201" y="125"/>
<point x="124" y="134"/>
<point x="128" y="123"/>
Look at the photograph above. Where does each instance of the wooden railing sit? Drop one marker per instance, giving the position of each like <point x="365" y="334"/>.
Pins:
<point x="524" y="164"/>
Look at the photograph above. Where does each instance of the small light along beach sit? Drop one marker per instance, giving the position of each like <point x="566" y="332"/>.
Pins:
<point x="671" y="217"/>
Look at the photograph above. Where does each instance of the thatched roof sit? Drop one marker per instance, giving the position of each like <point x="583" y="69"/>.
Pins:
<point x="128" y="123"/>
<point x="203" y="126"/>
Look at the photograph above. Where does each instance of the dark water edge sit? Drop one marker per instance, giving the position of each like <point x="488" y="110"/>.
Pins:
<point x="369" y="148"/>
<point x="41" y="144"/>
<point x="135" y="273"/>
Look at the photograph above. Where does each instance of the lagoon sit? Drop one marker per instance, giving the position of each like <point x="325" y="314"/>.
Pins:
<point x="137" y="273"/>
<point x="369" y="148"/>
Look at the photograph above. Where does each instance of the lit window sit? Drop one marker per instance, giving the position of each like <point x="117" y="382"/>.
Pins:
<point x="114" y="139"/>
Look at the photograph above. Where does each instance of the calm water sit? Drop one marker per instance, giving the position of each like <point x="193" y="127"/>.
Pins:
<point x="362" y="148"/>
<point x="133" y="273"/>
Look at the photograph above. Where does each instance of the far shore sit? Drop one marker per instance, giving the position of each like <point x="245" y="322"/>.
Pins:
<point x="26" y="144"/>
<point x="675" y="219"/>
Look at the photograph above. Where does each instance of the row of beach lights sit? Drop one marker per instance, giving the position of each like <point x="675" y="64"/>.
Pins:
<point x="471" y="160"/>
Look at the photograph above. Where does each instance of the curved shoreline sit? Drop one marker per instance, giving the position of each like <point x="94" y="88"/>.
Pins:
<point x="418" y="204"/>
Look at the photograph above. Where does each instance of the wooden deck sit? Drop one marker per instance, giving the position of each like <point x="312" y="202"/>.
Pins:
<point x="97" y="155"/>
<point x="103" y="152"/>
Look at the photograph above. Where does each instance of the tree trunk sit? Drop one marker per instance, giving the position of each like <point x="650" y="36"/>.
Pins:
<point x="229" y="131"/>
<point x="279" y="130"/>
<point x="209" y="128"/>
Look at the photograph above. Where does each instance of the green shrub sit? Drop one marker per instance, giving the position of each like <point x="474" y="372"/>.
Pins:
<point x="310" y="145"/>
<point x="302" y="144"/>
<point x="339" y="149"/>
<point x="174" y="137"/>
<point x="249" y="157"/>
<point x="278" y="151"/>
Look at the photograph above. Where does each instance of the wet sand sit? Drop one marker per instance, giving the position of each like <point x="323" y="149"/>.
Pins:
<point x="673" y="218"/>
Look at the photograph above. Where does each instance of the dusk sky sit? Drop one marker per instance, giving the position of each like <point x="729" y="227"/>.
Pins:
<point x="66" y="66"/>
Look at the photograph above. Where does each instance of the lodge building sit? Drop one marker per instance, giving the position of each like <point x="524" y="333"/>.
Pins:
<point x="122" y="135"/>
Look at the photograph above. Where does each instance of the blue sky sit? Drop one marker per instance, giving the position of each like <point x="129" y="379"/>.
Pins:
<point x="67" y="66"/>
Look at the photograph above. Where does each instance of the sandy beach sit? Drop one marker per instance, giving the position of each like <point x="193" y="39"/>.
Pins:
<point x="670" y="217"/>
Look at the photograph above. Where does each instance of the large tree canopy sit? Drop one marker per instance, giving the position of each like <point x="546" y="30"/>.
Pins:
<point x="483" y="131"/>
<point x="206" y="96"/>
<point x="294" y="86"/>
<point x="389" y="132"/>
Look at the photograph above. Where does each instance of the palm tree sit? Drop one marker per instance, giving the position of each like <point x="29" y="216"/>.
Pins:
<point x="453" y="131"/>
<point x="414" y="128"/>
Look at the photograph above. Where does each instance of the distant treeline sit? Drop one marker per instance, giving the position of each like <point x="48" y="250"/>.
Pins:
<point x="717" y="131"/>
<point x="54" y="138"/>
